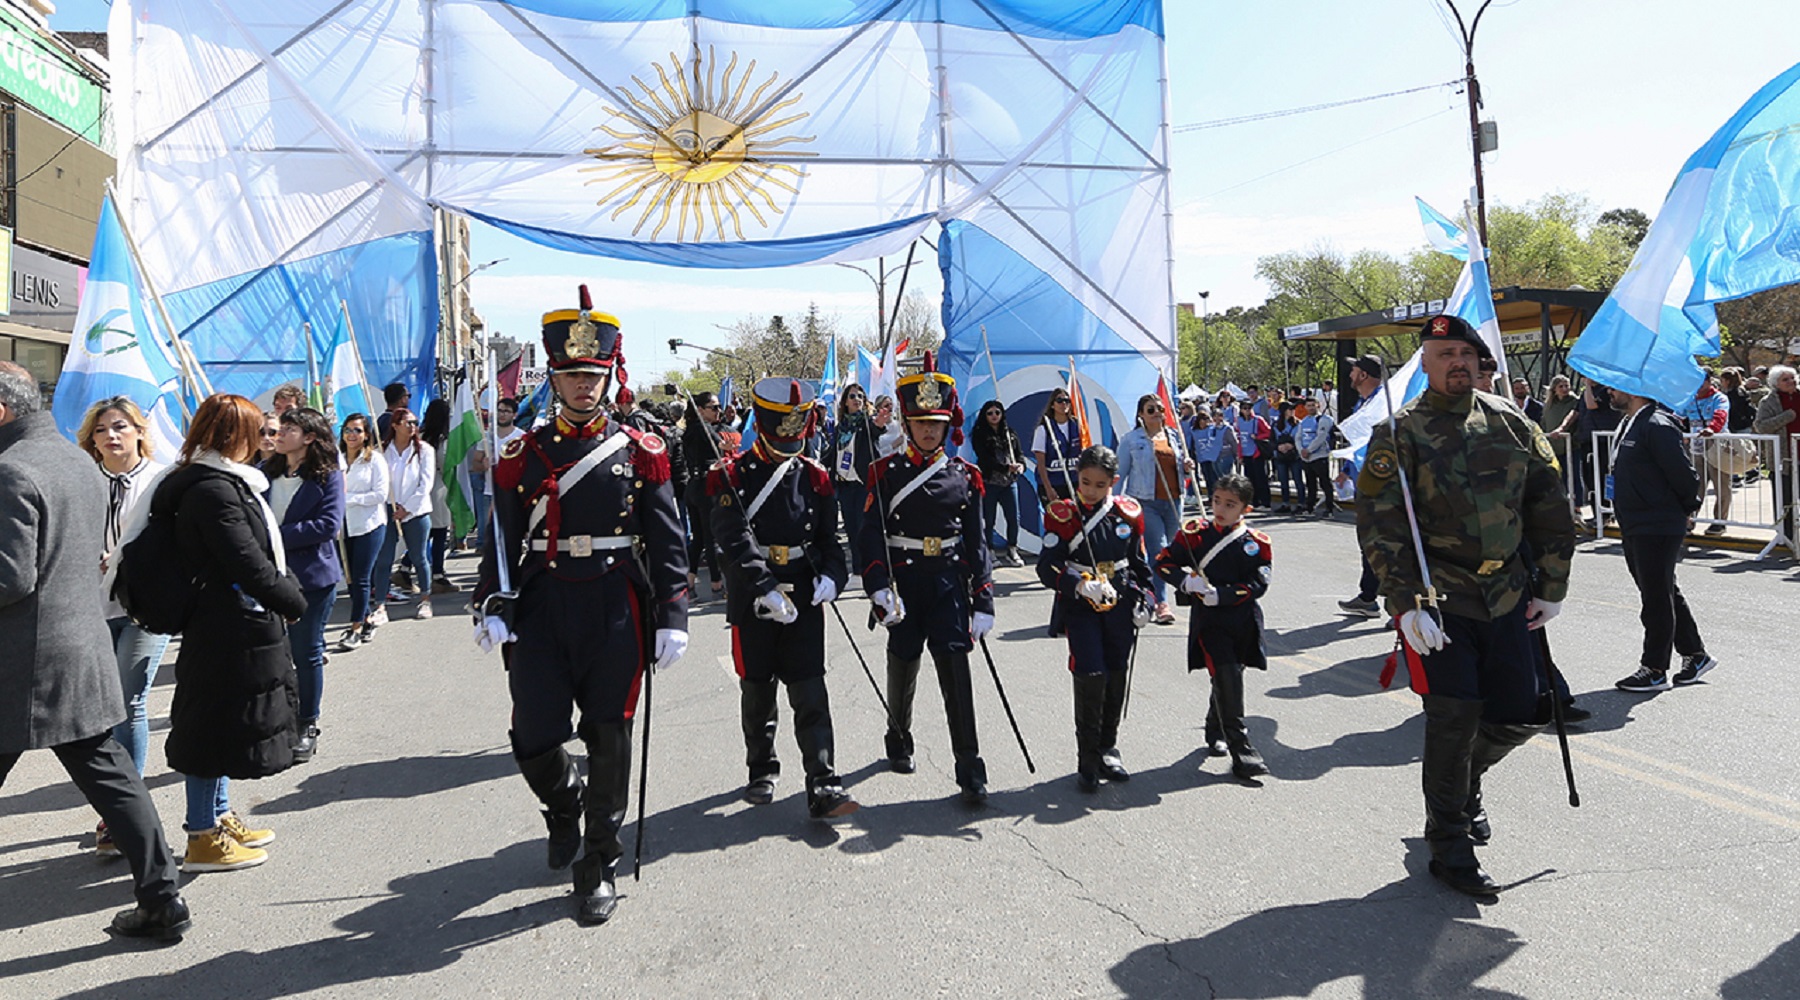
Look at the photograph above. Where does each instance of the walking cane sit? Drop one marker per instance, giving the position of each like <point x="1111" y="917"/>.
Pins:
<point x="1556" y="714"/>
<point x="637" y="861"/>
<point x="1004" y="703"/>
<point x="870" y="674"/>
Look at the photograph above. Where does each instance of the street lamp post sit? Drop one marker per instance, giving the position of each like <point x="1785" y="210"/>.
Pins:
<point x="1473" y="89"/>
<point x="1205" y="372"/>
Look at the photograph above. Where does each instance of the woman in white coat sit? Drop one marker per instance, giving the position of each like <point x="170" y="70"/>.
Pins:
<point x="412" y="468"/>
<point x="366" y="487"/>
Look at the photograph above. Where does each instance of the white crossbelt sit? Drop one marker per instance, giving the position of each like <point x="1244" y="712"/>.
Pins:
<point x="1219" y="546"/>
<point x="1092" y="522"/>
<point x="579" y="472"/>
<point x="918" y="481"/>
<point x="762" y="495"/>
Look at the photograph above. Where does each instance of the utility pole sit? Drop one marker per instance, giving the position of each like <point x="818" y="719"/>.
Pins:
<point x="1473" y="89"/>
<point x="1205" y="373"/>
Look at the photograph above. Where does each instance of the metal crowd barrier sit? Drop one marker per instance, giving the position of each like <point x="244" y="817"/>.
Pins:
<point x="1743" y="481"/>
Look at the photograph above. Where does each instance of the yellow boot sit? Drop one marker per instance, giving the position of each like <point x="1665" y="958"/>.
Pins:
<point x="215" y="850"/>
<point x="233" y="825"/>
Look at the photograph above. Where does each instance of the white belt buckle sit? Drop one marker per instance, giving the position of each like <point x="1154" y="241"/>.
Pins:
<point x="581" y="546"/>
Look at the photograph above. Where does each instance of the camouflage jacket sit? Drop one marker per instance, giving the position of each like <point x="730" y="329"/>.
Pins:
<point x="1484" y="482"/>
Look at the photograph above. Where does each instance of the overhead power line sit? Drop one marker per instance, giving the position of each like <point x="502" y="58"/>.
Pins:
<point x="1287" y="112"/>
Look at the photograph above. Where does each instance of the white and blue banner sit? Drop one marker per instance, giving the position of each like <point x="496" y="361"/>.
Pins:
<point x="1727" y="229"/>
<point x="267" y="134"/>
<point x="1443" y="235"/>
<point x="116" y="350"/>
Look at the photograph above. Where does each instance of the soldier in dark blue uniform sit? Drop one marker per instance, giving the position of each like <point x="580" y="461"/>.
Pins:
<point x="1093" y="559"/>
<point x="1221" y="568"/>
<point x="586" y="590"/>
<point x="928" y="570"/>
<point x="775" y="521"/>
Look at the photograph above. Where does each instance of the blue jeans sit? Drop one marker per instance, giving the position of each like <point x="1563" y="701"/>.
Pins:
<point x="1004" y="498"/>
<point x="207" y="800"/>
<point x="139" y="654"/>
<point x="417" y="533"/>
<point x="480" y="501"/>
<point x="360" y="555"/>
<point x="1161" y="521"/>
<point x="306" y="640"/>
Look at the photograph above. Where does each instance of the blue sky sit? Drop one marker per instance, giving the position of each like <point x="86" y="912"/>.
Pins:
<point x="1598" y="97"/>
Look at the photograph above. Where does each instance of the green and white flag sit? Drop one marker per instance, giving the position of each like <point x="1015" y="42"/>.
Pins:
<point x="465" y="436"/>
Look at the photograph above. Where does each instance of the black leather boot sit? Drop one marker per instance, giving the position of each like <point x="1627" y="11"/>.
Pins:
<point x="959" y="712"/>
<point x="1228" y="696"/>
<point x="1112" y="766"/>
<point x="825" y="795"/>
<point x="556" y="782"/>
<point x="608" y="796"/>
<point x="903" y="683"/>
<point x="167" y="921"/>
<point x="759" y="716"/>
<point x="1493" y="742"/>
<point x="1090" y="708"/>
<point x="1451" y="725"/>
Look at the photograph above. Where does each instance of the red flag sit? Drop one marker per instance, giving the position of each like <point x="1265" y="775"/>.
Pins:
<point x="1162" y="393"/>
<point x="508" y="377"/>
<point x="1078" y="403"/>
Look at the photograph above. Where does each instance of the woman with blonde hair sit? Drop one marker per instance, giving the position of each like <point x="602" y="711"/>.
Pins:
<point x="116" y="435"/>
<point x="233" y="715"/>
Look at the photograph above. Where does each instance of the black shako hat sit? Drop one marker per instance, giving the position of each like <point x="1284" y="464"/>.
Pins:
<point x="582" y="340"/>
<point x="786" y="411"/>
<point x="929" y="394"/>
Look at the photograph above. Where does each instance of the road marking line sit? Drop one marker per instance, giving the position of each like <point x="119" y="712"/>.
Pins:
<point x="1591" y="743"/>
<point x="1678" y="788"/>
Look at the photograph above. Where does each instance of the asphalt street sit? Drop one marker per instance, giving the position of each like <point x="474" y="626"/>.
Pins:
<point x="409" y="859"/>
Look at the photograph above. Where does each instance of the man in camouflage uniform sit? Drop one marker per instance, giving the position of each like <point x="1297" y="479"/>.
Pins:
<point x="1483" y="481"/>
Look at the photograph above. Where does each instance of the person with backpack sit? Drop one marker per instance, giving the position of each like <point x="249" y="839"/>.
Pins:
<point x="306" y="492"/>
<point x="116" y="434"/>
<point x="59" y="689"/>
<point x="207" y="552"/>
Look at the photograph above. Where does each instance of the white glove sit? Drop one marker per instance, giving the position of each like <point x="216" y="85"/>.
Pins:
<point x="1097" y="591"/>
<point x="1141" y="614"/>
<point x="1194" y="583"/>
<point x="1422" y="632"/>
<point x="491" y="633"/>
<point x="1539" y="612"/>
<point x="671" y="643"/>
<point x="1210" y="598"/>
<point x="893" y="611"/>
<point x="825" y="591"/>
<point x="775" y="606"/>
<point x="980" y="624"/>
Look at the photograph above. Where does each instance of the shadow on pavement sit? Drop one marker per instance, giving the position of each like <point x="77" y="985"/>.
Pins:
<point x="1775" y="976"/>
<point x="60" y="795"/>
<point x="423" y="924"/>
<point x="397" y="778"/>
<point x="62" y="886"/>
<point x="1396" y="746"/>
<point x="1410" y="938"/>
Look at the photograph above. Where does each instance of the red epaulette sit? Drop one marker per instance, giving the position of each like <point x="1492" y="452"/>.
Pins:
<point x="1267" y="550"/>
<point x="1192" y="530"/>
<point x="1062" y="519"/>
<point x="510" y="470"/>
<point x="649" y="455"/>
<point x="1130" y="510"/>
<point x="821" y="476"/>
<point x="973" y="471"/>
<point x="878" y="468"/>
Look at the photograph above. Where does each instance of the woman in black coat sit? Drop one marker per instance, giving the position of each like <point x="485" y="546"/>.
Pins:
<point x="234" y="711"/>
<point x="1001" y="458"/>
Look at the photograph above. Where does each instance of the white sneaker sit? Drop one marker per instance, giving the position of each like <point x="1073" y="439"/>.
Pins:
<point x="424" y="611"/>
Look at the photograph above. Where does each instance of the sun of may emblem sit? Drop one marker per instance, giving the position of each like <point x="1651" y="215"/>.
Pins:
<point x="699" y="147"/>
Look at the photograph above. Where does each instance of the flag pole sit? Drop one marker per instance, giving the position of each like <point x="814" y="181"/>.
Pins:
<point x="184" y="357"/>
<point x="993" y="373"/>
<point x="362" y="371"/>
<point x="312" y="368"/>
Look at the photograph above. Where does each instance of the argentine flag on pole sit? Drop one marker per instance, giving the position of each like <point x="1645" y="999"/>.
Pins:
<point x="828" y="380"/>
<point x="1441" y="233"/>
<point x="1473" y="301"/>
<point x="345" y="390"/>
<point x="1727" y="229"/>
<point x="116" y="350"/>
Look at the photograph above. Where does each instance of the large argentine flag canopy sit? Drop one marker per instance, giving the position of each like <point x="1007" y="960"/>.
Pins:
<point x="265" y="134"/>
<point x="1728" y="228"/>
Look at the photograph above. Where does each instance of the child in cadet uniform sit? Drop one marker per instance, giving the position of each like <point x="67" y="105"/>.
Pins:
<point x="1221" y="568"/>
<point x="1093" y="559"/>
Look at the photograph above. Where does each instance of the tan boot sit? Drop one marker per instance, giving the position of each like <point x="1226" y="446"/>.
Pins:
<point x="215" y="850"/>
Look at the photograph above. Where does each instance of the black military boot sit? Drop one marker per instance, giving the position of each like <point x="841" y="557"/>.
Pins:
<point x="903" y="683"/>
<point x="1228" y="695"/>
<point x="1451" y="725"/>
<point x="759" y="716"/>
<point x="825" y="795"/>
<point x="1090" y="709"/>
<point x="1112" y="767"/>
<point x="608" y="796"/>
<point x="959" y="712"/>
<point x="1493" y="742"/>
<point x="555" y="780"/>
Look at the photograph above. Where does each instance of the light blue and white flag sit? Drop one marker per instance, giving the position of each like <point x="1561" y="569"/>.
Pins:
<point x="1728" y="228"/>
<point x="828" y="379"/>
<point x="345" y="388"/>
<point x="866" y="363"/>
<point x="1441" y="233"/>
<point x="1473" y="301"/>
<point x="116" y="350"/>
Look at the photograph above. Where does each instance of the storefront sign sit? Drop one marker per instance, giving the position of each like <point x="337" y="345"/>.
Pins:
<point x="48" y="80"/>
<point x="44" y="290"/>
